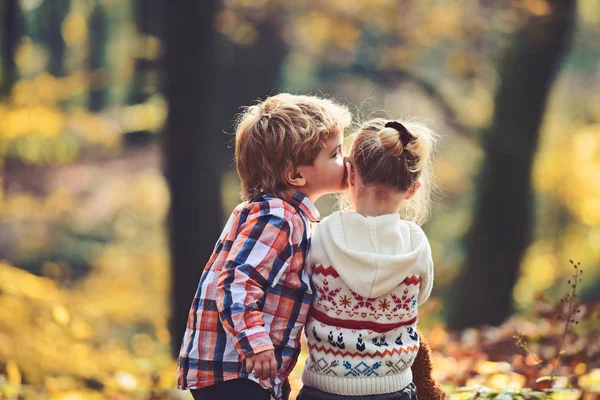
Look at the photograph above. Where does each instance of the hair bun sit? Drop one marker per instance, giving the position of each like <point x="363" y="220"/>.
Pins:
<point x="405" y="136"/>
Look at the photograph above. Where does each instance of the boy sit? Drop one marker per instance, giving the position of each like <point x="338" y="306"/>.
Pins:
<point x="243" y="333"/>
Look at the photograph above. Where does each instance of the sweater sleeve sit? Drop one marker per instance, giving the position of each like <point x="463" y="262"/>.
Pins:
<point x="427" y="278"/>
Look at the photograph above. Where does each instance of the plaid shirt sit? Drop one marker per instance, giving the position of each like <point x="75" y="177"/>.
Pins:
<point x="253" y="295"/>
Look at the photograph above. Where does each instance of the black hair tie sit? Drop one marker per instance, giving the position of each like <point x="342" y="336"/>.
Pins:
<point x="405" y="136"/>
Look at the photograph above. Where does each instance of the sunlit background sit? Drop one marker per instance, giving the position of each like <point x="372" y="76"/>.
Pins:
<point x="85" y="259"/>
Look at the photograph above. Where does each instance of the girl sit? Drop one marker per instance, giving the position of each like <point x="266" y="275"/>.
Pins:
<point x="371" y="270"/>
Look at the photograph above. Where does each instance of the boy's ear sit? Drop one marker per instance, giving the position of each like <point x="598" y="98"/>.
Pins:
<point x="412" y="190"/>
<point x="296" y="178"/>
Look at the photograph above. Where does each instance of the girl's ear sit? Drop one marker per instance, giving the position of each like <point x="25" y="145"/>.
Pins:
<point x="412" y="190"/>
<point x="296" y="178"/>
<point x="350" y="174"/>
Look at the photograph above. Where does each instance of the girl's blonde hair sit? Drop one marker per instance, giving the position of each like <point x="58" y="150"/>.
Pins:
<point x="279" y="134"/>
<point x="396" y="156"/>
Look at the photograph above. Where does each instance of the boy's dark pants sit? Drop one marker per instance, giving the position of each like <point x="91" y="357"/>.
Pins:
<point x="237" y="389"/>
<point x="240" y="388"/>
<point x="309" y="393"/>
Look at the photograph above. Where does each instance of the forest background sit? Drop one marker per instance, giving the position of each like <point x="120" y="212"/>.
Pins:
<point x="115" y="138"/>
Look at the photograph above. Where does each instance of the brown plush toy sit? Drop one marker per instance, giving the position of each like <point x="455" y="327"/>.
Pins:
<point x="427" y="387"/>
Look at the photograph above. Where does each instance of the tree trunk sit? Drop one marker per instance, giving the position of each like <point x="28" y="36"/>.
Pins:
<point x="11" y="29"/>
<point x="148" y="23"/>
<point x="502" y="219"/>
<point x="195" y="215"/>
<point x="98" y="39"/>
<point x="147" y="78"/>
<point x="245" y="74"/>
<point x="47" y="29"/>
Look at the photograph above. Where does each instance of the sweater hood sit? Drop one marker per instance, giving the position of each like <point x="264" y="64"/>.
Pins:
<point x="373" y="255"/>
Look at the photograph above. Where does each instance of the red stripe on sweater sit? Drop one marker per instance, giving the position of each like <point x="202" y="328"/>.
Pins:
<point x="412" y="280"/>
<point x="377" y="354"/>
<point x="321" y="270"/>
<point x="355" y="324"/>
<point x="330" y="271"/>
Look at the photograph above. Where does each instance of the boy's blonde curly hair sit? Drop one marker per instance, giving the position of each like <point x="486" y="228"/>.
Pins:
<point x="275" y="136"/>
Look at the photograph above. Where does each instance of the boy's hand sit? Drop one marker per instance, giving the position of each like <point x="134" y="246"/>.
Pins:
<point x="263" y="364"/>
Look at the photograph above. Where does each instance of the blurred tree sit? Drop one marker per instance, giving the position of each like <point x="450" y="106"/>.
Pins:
<point x="98" y="39"/>
<point x="11" y="30"/>
<point x="502" y="220"/>
<point x="246" y="72"/>
<point x="47" y="25"/>
<point x="386" y="78"/>
<point x="149" y="25"/>
<point x="194" y="180"/>
<point x="147" y="72"/>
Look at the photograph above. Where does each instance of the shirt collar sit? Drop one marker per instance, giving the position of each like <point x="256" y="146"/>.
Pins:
<point x="308" y="208"/>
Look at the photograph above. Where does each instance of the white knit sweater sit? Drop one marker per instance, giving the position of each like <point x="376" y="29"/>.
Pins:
<point x="369" y="274"/>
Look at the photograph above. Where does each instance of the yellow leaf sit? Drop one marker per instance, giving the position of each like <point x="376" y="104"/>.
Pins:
<point x="13" y="373"/>
<point x="580" y="368"/>
<point x="74" y="29"/>
<point x="126" y="381"/>
<point x="591" y="380"/>
<point x="491" y="367"/>
<point x="60" y="314"/>
<point x="498" y="381"/>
